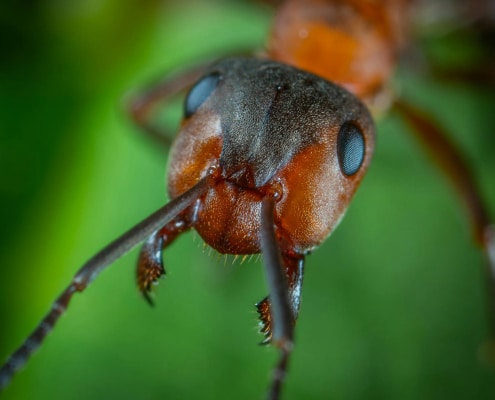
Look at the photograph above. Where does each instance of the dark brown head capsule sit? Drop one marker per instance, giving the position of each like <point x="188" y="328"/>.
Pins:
<point x="267" y="126"/>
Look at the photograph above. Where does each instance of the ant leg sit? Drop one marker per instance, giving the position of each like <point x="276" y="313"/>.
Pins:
<point x="294" y="270"/>
<point x="150" y="263"/>
<point x="94" y="266"/>
<point x="281" y="316"/>
<point x="141" y="105"/>
<point x="450" y="160"/>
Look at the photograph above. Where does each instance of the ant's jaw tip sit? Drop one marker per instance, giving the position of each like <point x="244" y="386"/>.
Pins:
<point x="148" y="298"/>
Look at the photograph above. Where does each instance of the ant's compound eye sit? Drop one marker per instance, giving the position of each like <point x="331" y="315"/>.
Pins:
<point x="350" y="148"/>
<point x="200" y="92"/>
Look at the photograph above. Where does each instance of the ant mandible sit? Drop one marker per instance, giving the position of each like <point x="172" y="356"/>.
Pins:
<point x="279" y="156"/>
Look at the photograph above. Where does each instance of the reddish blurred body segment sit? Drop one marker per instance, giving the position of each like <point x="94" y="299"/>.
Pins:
<point x="354" y="43"/>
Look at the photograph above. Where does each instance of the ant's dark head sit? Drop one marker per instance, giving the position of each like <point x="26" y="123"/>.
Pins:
<point x="267" y="127"/>
<point x="268" y="112"/>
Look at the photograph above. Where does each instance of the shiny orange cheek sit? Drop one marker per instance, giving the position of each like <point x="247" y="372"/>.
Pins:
<point x="315" y="198"/>
<point x="196" y="148"/>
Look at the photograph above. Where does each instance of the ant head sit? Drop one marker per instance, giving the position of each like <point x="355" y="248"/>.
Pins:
<point x="266" y="124"/>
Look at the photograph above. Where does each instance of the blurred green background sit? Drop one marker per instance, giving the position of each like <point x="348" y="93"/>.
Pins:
<point x="394" y="301"/>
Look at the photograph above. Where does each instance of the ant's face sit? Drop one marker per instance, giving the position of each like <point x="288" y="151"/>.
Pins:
<point x="268" y="126"/>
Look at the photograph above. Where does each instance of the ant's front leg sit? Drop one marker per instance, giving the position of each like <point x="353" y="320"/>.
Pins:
<point x="279" y="312"/>
<point x="452" y="163"/>
<point x="150" y="263"/>
<point x="294" y="269"/>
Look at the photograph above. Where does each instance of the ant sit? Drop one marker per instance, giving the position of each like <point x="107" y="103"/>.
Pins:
<point x="151" y="267"/>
